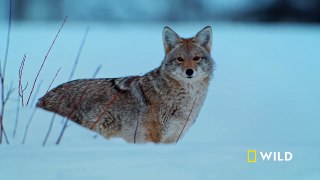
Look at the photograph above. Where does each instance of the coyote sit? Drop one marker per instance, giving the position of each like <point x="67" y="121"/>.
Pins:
<point x="157" y="107"/>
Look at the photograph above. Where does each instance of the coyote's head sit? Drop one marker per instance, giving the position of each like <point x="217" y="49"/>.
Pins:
<point x="187" y="59"/>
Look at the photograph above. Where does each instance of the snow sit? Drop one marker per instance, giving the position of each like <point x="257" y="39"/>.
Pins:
<point x="265" y="96"/>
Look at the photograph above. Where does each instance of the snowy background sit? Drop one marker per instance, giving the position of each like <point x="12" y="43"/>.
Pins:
<point x="264" y="96"/>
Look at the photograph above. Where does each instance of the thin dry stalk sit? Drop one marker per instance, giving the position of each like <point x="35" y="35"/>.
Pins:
<point x="49" y="130"/>
<point x="10" y="91"/>
<point x="2" y="74"/>
<point x="17" y="118"/>
<point x="5" y="135"/>
<point x="2" y="105"/>
<point x="94" y="76"/>
<point x="36" y="93"/>
<point x="186" y="121"/>
<point x="79" y="54"/>
<point x="96" y="71"/>
<point x="136" y="130"/>
<point x="44" y="60"/>
<point x="53" y="79"/>
<point x="28" y="126"/>
<point x="4" y="100"/>
<point x="65" y="125"/>
<point x="53" y="116"/>
<point x="70" y="77"/>
<point x="31" y="117"/>
<point x="108" y="105"/>
<point x="8" y="42"/>
<point x="20" y="87"/>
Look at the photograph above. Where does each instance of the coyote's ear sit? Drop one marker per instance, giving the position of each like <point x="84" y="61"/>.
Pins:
<point x="170" y="39"/>
<point x="204" y="38"/>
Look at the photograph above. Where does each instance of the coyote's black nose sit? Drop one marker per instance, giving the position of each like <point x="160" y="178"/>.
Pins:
<point x="189" y="72"/>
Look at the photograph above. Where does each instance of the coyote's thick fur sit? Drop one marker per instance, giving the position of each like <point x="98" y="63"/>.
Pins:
<point x="156" y="107"/>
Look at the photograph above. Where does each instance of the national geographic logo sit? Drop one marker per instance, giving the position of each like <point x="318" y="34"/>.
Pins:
<point x="269" y="156"/>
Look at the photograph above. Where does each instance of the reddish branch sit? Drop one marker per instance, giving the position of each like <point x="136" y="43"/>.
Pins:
<point x="20" y="87"/>
<point x="44" y="60"/>
<point x="108" y="105"/>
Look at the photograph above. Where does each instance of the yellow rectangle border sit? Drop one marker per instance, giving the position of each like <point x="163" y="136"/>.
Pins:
<point x="255" y="156"/>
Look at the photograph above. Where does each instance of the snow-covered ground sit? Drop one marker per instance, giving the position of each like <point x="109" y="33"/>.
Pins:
<point x="265" y="96"/>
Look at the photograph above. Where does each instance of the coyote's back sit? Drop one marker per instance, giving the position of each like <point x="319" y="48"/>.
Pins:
<point x="156" y="107"/>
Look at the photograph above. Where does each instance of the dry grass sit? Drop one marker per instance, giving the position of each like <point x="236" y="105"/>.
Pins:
<point x="44" y="60"/>
<point x="2" y="79"/>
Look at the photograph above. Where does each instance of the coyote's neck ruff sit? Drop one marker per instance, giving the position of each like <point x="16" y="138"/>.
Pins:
<point x="156" y="107"/>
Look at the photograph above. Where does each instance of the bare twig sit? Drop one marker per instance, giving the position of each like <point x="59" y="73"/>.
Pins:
<point x="186" y="121"/>
<point x="2" y="74"/>
<point x="2" y="105"/>
<point x="17" y="118"/>
<point x="97" y="71"/>
<point x="28" y="125"/>
<point x="94" y="76"/>
<point x="20" y="88"/>
<point x="70" y="77"/>
<point x="107" y="106"/>
<point x="5" y="135"/>
<point x="36" y="93"/>
<point x="65" y="124"/>
<point x="8" y="41"/>
<point x="79" y="53"/>
<point x="32" y="115"/>
<point x="10" y="91"/>
<point x="4" y="99"/>
<point x="53" y="116"/>
<point x="53" y="79"/>
<point x="136" y="130"/>
<point x="4" y="102"/>
<point x="49" y="130"/>
<point x="44" y="60"/>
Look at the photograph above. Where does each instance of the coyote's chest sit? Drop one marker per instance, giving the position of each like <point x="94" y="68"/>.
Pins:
<point x="181" y="111"/>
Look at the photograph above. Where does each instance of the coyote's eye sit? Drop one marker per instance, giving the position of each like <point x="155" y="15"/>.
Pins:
<point x="196" y="58"/>
<point x="179" y="59"/>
